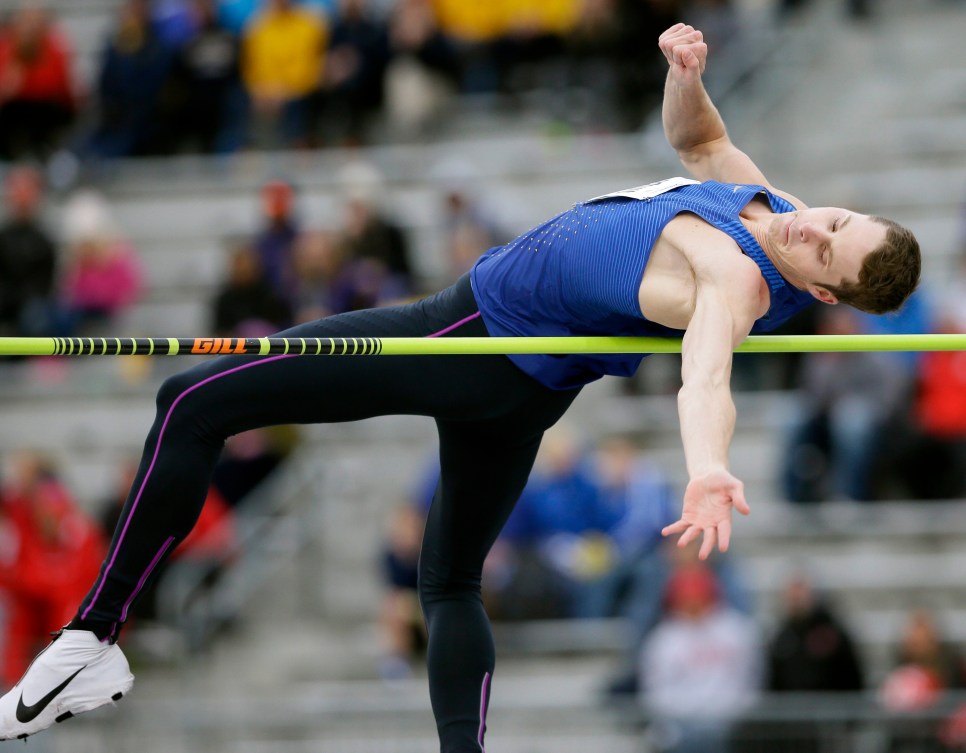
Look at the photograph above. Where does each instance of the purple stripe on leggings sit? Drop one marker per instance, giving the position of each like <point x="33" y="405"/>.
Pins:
<point x="451" y="327"/>
<point x="144" y="576"/>
<point x="484" y="691"/>
<point x="154" y="459"/>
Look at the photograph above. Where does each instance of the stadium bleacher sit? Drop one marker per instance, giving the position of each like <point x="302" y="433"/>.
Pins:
<point x="860" y="116"/>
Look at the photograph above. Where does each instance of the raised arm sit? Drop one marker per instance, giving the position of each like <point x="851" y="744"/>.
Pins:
<point x="725" y="309"/>
<point x="692" y="124"/>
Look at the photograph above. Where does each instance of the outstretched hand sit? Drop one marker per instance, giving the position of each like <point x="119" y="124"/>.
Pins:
<point x="685" y="50"/>
<point x="708" y="501"/>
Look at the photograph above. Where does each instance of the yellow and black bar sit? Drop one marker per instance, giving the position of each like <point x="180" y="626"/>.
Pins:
<point x="396" y="346"/>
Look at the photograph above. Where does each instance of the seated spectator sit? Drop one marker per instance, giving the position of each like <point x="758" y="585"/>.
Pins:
<point x="52" y="554"/>
<point x="102" y="273"/>
<point x="812" y="651"/>
<point x="556" y="541"/>
<point x="400" y="617"/>
<point x="245" y="304"/>
<point x="642" y="502"/>
<point x="38" y="100"/>
<point x="355" y="65"/>
<point x="282" y="64"/>
<point x="28" y="260"/>
<point x="131" y="117"/>
<point x="929" y="457"/>
<point x="643" y="602"/>
<point x="424" y="69"/>
<point x="319" y="265"/>
<point x="700" y="666"/>
<point x="470" y="226"/>
<point x="848" y="401"/>
<point x="275" y="238"/>
<point x="926" y="669"/>
<point x="369" y="233"/>
<point x="211" y="113"/>
<point x="926" y="665"/>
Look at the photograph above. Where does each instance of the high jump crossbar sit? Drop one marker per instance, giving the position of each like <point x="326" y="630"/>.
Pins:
<point x="409" y="346"/>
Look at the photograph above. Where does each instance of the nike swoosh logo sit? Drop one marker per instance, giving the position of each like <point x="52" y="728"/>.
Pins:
<point x="29" y="713"/>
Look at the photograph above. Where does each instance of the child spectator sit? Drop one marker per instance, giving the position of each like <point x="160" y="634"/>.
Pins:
<point x="102" y="274"/>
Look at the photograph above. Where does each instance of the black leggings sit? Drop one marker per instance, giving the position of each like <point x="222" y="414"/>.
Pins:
<point x="490" y="417"/>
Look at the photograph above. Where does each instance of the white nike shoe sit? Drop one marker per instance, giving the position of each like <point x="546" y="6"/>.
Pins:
<point x="74" y="674"/>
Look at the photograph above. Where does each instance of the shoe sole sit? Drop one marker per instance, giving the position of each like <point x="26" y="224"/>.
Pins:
<point x="70" y="715"/>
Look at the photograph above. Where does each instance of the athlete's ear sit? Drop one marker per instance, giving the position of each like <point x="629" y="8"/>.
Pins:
<point x="823" y="294"/>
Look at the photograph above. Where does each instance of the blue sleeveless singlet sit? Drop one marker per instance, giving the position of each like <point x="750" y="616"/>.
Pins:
<point x="579" y="273"/>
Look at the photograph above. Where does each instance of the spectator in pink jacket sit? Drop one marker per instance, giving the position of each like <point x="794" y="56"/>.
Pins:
<point x="102" y="275"/>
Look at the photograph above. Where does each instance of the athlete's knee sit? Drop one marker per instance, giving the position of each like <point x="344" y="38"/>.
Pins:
<point x="444" y="584"/>
<point x="180" y="403"/>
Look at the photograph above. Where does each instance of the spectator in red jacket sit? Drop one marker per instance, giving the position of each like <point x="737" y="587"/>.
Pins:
<point x="37" y="97"/>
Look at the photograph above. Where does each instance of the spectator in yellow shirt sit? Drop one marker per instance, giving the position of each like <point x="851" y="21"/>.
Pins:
<point x="283" y="58"/>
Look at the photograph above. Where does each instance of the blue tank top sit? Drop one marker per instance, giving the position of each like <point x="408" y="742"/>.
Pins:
<point x="580" y="272"/>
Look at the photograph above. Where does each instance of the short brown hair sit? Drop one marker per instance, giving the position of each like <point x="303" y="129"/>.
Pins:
<point x="889" y="273"/>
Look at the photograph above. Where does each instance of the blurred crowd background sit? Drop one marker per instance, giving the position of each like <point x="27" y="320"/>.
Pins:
<point x="278" y="132"/>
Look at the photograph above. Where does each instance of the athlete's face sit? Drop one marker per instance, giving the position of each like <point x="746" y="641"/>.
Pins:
<point x="823" y="246"/>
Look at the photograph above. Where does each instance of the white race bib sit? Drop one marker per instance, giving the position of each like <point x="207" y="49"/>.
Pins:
<point x="648" y="191"/>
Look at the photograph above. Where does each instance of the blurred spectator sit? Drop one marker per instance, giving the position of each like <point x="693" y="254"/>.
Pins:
<point x="249" y="458"/>
<point x="282" y="65"/>
<point x="926" y="668"/>
<point x="700" y="667"/>
<point x="132" y="110"/>
<point x="28" y="259"/>
<point x="102" y="273"/>
<point x="355" y="68"/>
<point x="275" y="238"/>
<point x="556" y="542"/>
<point x="319" y="265"/>
<point x="812" y="651"/>
<point x="643" y="603"/>
<point x="928" y="451"/>
<point x="52" y="553"/>
<point x="400" y="615"/>
<point x="369" y="234"/>
<point x="469" y="229"/>
<point x="37" y="96"/>
<point x="246" y="305"/>
<point x="211" y="104"/>
<point x="638" y="495"/>
<point x="848" y="401"/>
<point x="424" y="69"/>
